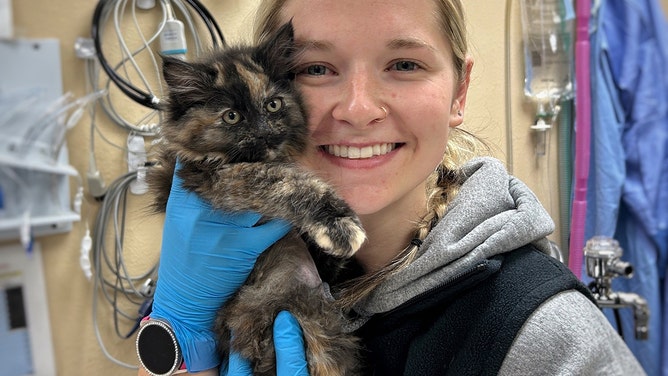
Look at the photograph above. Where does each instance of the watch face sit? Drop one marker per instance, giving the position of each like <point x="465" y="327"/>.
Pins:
<point x="157" y="349"/>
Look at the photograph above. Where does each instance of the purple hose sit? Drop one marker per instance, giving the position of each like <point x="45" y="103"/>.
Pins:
<point x="582" y="136"/>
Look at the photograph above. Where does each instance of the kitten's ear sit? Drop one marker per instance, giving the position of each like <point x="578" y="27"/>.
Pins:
<point x="277" y="50"/>
<point x="176" y="72"/>
<point x="183" y="76"/>
<point x="187" y="83"/>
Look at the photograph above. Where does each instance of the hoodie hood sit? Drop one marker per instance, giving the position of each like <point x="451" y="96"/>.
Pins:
<point x="493" y="213"/>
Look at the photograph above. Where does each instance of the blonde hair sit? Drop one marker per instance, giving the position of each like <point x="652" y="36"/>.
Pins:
<point x="443" y="184"/>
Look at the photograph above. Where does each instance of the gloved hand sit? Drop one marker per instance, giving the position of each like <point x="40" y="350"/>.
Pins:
<point x="289" y="347"/>
<point x="206" y="256"/>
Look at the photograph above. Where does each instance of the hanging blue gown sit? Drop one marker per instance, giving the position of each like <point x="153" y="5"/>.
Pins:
<point x="628" y="184"/>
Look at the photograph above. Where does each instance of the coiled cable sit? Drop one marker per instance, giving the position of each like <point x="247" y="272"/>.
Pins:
<point x="131" y="91"/>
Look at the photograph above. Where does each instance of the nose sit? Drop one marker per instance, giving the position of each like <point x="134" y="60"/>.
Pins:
<point x="360" y="104"/>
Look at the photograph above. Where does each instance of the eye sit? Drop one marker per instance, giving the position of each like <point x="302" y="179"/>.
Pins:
<point x="313" y="70"/>
<point x="405" y="66"/>
<point x="316" y="70"/>
<point x="274" y="105"/>
<point x="232" y="117"/>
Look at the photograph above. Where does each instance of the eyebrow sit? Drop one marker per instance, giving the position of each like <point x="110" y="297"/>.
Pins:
<point x="394" y="44"/>
<point x="410" y="43"/>
<point x="316" y="45"/>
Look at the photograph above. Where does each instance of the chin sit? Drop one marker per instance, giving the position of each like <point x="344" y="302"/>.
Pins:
<point x="363" y="204"/>
<point x="363" y="210"/>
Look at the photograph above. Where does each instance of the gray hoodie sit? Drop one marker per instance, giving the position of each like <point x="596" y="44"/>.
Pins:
<point x="495" y="213"/>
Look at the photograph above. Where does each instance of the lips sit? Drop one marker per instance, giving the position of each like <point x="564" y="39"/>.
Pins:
<point x="364" y="152"/>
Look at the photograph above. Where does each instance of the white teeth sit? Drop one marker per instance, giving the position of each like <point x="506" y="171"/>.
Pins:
<point x="354" y="152"/>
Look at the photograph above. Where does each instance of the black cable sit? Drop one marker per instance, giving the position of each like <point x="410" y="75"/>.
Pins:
<point x="210" y="21"/>
<point x="618" y="321"/>
<point x="134" y="93"/>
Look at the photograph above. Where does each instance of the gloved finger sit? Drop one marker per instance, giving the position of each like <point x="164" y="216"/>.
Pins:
<point x="263" y="236"/>
<point x="289" y="346"/>
<point x="209" y="237"/>
<point x="236" y="366"/>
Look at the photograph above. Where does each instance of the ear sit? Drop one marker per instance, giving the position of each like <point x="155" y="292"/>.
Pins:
<point x="187" y="81"/>
<point x="459" y="102"/>
<point x="177" y="73"/>
<point x="276" y="51"/>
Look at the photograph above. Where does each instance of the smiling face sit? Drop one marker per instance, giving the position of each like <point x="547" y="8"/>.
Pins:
<point x="360" y="56"/>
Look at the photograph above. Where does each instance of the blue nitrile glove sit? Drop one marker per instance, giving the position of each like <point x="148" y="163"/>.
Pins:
<point x="289" y="347"/>
<point x="206" y="256"/>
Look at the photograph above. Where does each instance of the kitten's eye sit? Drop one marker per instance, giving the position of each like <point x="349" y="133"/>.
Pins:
<point x="232" y="117"/>
<point x="274" y="105"/>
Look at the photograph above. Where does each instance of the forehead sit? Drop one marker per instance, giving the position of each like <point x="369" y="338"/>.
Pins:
<point x="369" y="20"/>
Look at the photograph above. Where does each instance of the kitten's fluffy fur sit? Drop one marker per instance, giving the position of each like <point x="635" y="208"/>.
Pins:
<point x="235" y="122"/>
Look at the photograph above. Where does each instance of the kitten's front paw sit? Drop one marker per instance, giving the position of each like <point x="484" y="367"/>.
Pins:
<point x="341" y="237"/>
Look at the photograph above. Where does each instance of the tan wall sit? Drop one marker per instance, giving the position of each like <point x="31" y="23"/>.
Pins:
<point x="70" y="294"/>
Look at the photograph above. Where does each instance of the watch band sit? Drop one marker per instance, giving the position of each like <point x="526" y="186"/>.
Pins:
<point x="157" y="348"/>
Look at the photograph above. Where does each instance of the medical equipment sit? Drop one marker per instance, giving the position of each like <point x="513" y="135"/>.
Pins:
<point x="137" y="161"/>
<point x="122" y="60"/>
<point x="25" y="333"/>
<point x="140" y="96"/>
<point x="582" y="137"/>
<point x="129" y="294"/>
<point x="603" y="262"/>
<point x="173" y="36"/>
<point x="6" y="21"/>
<point x="547" y="29"/>
<point x="34" y="169"/>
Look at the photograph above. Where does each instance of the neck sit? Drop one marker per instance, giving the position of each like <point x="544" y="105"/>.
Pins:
<point x="388" y="233"/>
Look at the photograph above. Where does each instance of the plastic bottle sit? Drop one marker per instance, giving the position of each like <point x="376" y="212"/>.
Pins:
<point x="547" y="27"/>
<point x="548" y="49"/>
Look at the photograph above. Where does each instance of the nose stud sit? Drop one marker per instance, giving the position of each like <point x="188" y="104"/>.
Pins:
<point x="380" y="120"/>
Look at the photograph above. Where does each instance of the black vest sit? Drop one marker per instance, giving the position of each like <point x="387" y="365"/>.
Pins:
<point x="467" y="325"/>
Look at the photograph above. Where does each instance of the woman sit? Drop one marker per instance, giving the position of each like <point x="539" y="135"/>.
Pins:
<point x="456" y="274"/>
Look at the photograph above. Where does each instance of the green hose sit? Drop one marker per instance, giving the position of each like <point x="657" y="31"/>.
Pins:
<point x="565" y="173"/>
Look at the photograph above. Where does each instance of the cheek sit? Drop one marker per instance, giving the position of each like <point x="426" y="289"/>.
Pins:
<point x="316" y="113"/>
<point x="431" y="149"/>
<point x="315" y="109"/>
<point x="430" y="101"/>
<point x="430" y="117"/>
<point x="440" y="142"/>
<point x="431" y="129"/>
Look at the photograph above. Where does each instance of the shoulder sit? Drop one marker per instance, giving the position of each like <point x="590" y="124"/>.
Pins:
<point x="569" y="332"/>
<point x="531" y="277"/>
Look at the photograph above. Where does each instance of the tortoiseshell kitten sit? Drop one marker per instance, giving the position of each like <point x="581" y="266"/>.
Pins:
<point x="236" y="123"/>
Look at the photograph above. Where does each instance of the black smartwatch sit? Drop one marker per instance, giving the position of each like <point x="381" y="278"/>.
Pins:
<point x="157" y="349"/>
